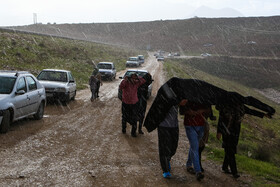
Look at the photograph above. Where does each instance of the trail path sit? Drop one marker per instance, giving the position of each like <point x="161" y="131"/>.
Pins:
<point x="81" y="144"/>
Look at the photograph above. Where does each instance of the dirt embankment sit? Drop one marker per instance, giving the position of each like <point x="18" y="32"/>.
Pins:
<point x="82" y="145"/>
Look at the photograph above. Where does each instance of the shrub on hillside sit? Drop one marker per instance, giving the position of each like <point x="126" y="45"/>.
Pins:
<point x="262" y="153"/>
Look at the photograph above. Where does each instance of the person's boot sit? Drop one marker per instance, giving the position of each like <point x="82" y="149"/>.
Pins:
<point x="236" y="175"/>
<point x="199" y="176"/>
<point x="133" y="130"/>
<point x="140" y="128"/>
<point x="123" y="126"/>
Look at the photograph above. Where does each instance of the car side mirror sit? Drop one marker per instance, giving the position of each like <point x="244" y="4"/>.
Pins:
<point x="71" y="81"/>
<point x="20" y="92"/>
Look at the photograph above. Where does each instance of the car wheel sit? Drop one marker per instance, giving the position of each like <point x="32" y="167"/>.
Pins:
<point x="40" y="112"/>
<point x="5" y="125"/>
<point x="66" y="99"/>
<point x="73" y="98"/>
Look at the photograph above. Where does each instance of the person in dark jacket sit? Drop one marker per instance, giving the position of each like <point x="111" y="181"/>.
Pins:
<point x="98" y="84"/>
<point x="92" y="83"/>
<point x="229" y="124"/>
<point x="168" y="136"/>
<point x="142" y="94"/>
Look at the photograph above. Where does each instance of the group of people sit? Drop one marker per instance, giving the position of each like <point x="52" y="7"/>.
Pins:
<point x="95" y="82"/>
<point x="194" y="99"/>
<point x="197" y="131"/>
<point x="196" y="114"/>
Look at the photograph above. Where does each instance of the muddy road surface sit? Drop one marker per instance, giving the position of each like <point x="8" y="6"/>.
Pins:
<point x="81" y="144"/>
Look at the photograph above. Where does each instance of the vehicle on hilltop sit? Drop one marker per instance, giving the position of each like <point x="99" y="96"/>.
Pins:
<point x="132" y="61"/>
<point x="141" y="59"/>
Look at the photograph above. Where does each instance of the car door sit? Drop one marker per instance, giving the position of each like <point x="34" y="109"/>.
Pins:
<point x="72" y="85"/>
<point x="33" y="95"/>
<point x="114" y="70"/>
<point x="21" y="99"/>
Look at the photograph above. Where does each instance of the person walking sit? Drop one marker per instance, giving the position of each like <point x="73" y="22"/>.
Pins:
<point x="92" y="84"/>
<point x="204" y="139"/>
<point x="229" y="124"/>
<point x="98" y="84"/>
<point x="129" y="87"/>
<point x="168" y="136"/>
<point x="194" y="122"/>
<point x="142" y="94"/>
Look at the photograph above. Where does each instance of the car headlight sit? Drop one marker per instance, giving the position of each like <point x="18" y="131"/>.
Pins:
<point x="60" y="89"/>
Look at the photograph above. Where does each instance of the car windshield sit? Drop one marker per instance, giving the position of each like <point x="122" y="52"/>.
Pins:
<point x="53" y="76"/>
<point x="7" y="84"/>
<point x="139" y="73"/>
<point x="132" y="59"/>
<point x="104" y="66"/>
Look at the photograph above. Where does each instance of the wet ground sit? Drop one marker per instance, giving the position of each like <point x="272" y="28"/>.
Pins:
<point x="81" y="144"/>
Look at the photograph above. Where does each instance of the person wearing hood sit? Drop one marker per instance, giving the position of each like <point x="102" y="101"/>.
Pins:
<point x="129" y="87"/>
<point x="229" y="125"/>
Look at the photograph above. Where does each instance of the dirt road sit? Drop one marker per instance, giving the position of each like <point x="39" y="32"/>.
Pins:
<point x="82" y="145"/>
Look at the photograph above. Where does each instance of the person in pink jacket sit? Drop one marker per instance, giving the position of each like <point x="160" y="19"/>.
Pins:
<point x="129" y="87"/>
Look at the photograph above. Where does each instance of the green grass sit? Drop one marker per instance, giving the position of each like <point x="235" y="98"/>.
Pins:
<point x="33" y="53"/>
<point x="262" y="172"/>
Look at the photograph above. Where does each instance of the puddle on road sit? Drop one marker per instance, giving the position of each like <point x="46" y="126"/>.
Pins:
<point x="57" y="108"/>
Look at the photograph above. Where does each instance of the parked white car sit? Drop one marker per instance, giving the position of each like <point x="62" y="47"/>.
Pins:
<point x="205" y="54"/>
<point x="141" y="59"/>
<point x="133" y="61"/>
<point x="21" y="95"/>
<point x="107" y="70"/>
<point x="59" y="84"/>
<point x="160" y="58"/>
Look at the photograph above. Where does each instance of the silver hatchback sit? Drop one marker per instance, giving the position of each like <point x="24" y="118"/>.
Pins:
<point x="21" y="95"/>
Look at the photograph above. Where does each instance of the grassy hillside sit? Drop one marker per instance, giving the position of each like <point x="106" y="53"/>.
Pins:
<point x="254" y="73"/>
<point x="33" y="53"/>
<point x="259" y="143"/>
<point x="228" y="36"/>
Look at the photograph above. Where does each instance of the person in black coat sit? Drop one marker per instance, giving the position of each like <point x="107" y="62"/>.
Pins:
<point x="142" y="94"/>
<point x="168" y="136"/>
<point x="230" y="116"/>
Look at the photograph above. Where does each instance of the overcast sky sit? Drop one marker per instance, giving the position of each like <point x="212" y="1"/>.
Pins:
<point x="21" y="12"/>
